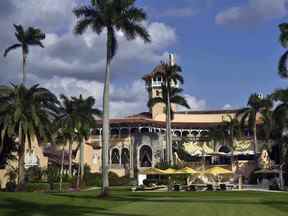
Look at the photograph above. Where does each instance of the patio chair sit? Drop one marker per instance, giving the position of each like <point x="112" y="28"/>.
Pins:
<point x="176" y="187"/>
<point x="209" y="187"/>
<point x="223" y="187"/>
<point x="192" y="188"/>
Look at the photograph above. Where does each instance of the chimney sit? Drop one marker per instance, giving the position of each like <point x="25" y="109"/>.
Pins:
<point x="172" y="59"/>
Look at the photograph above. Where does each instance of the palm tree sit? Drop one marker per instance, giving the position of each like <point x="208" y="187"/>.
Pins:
<point x="231" y="126"/>
<point x="170" y="95"/>
<point x="66" y="121"/>
<point x="62" y="136"/>
<point x="26" y="113"/>
<point x="280" y="119"/>
<point x="29" y="37"/>
<point x="110" y="16"/>
<point x="84" y="115"/>
<point x="249" y="115"/>
<point x="282" y="66"/>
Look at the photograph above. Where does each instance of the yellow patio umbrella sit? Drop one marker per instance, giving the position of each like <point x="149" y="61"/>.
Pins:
<point x="170" y="171"/>
<point x="153" y="171"/>
<point x="186" y="170"/>
<point x="218" y="171"/>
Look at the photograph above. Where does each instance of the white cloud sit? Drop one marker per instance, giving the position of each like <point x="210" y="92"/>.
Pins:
<point x="254" y="11"/>
<point x="194" y="103"/>
<point x="227" y="107"/>
<point x="74" y="65"/>
<point x="125" y="100"/>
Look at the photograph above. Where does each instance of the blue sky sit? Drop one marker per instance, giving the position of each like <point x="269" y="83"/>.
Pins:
<point x="228" y="49"/>
<point x="222" y="63"/>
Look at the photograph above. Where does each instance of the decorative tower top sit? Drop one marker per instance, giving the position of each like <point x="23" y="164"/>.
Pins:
<point x="153" y="82"/>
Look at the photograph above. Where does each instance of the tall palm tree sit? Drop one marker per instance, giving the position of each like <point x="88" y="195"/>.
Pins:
<point x="26" y="113"/>
<point x="170" y="95"/>
<point x="61" y="137"/>
<point x="280" y="120"/>
<point x="249" y="115"/>
<point x="66" y="121"/>
<point x="282" y="66"/>
<point x="110" y="16"/>
<point x="232" y="128"/>
<point x="84" y="117"/>
<point x="25" y="38"/>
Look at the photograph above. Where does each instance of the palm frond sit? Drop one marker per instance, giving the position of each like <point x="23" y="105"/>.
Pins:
<point x="179" y="100"/>
<point x="13" y="47"/>
<point x="282" y="66"/>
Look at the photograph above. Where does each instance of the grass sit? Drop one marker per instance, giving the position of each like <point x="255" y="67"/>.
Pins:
<point x="124" y="203"/>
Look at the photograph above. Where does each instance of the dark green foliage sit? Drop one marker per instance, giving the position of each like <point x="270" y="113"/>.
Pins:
<point x="115" y="180"/>
<point x="92" y="179"/>
<point x="34" y="174"/>
<point x="11" y="186"/>
<point x="29" y="37"/>
<point x="38" y="187"/>
<point x="282" y="66"/>
<point x="112" y="16"/>
<point x="53" y="176"/>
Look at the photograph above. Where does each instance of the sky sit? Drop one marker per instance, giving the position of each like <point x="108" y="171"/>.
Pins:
<point x="228" y="49"/>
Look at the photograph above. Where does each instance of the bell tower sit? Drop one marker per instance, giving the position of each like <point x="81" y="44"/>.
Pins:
<point x="153" y="82"/>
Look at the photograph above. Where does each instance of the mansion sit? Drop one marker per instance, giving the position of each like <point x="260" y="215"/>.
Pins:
<point x="138" y="141"/>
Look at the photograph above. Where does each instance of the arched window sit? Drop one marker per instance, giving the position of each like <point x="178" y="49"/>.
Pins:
<point x="177" y="133"/>
<point x="224" y="149"/>
<point x="224" y="159"/>
<point x="115" y="156"/>
<point x="125" y="156"/>
<point x="145" y="156"/>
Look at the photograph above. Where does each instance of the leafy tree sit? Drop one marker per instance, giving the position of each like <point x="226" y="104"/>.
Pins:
<point x="66" y="121"/>
<point x="249" y="115"/>
<point x="25" y="38"/>
<point x="109" y="17"/>
<point x="84" y="117"/>
<point x="26" y="113"/>
<point x="282" y="66"/>
<point x="171" y="94"/>
<point x="232" y="130"/>
<point x="280" y="121"/>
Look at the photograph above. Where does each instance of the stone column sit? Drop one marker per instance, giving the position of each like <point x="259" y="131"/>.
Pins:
<point x="131" y="156"/>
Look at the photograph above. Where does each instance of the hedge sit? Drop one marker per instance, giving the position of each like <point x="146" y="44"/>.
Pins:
<point x="37" y="187"/>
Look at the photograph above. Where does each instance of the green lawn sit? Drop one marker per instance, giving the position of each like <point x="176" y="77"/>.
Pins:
<point x="145" y="204"/>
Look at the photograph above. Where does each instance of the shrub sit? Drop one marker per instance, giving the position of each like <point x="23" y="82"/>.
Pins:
<point x="34" y="174"/>
<point x="37" y="187"/>
<point x="11" y="186"/>
<point x="65" y="187"/>
<point x="92" y="179"/>
<point x="115" y="180"/>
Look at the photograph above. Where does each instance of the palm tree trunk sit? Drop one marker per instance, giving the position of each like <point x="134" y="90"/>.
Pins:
<point x="255" y="140"/>
<point x="171" y="161"/>
<point x="81" y="159"/>
<point x="21" y="160"/>
<point x="24" y="56"/>
<point x="70" y="157"/>
<point x="62" y="168"/>
<point x="106" y="126"/>
<point x="167" y="156"/>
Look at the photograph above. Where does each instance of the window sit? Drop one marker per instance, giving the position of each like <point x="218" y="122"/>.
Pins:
<point x="115" y="156"/>
<point x="145" y="156"/>
<point x="125" y="156"/>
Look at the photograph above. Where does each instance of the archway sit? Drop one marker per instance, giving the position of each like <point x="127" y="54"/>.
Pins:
<point x="224" y="159"/>
<point x="145" y="156"/>
<point x="125" y="156"/>
<point x="115" y="156"/>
